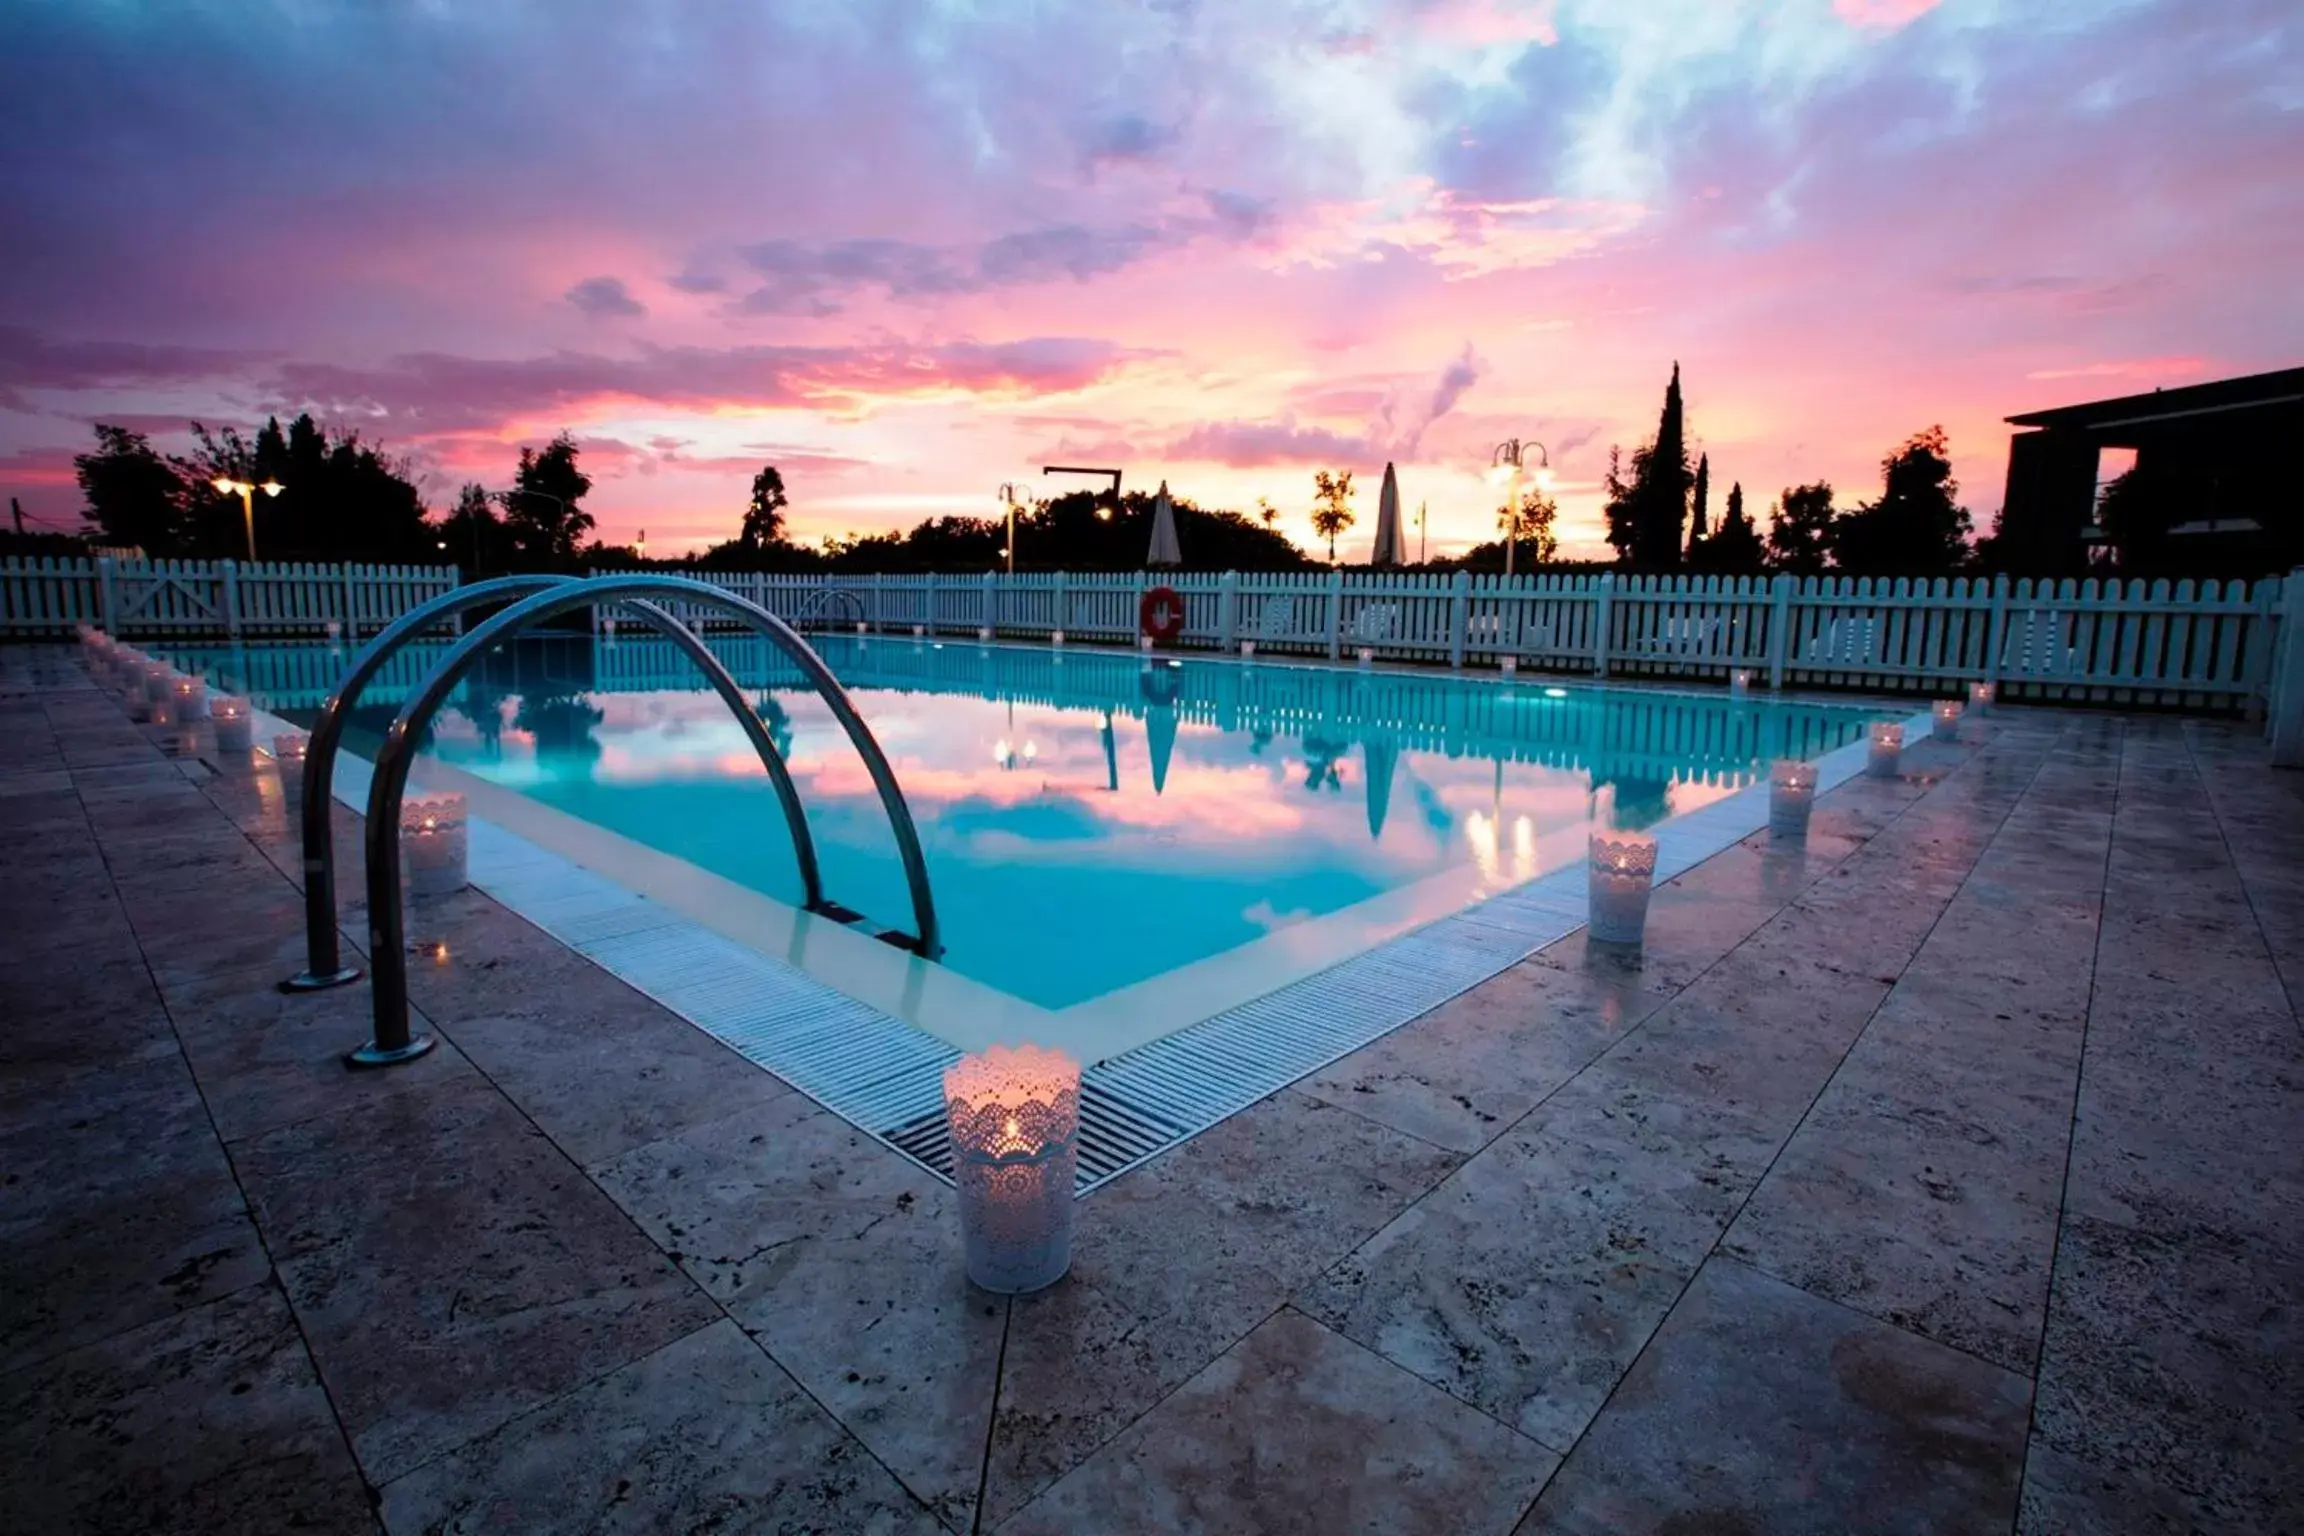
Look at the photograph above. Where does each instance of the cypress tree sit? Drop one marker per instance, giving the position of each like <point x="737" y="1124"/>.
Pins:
<point x="1734" y="548"/>
<point x="1661" y="489"/>
<point x="1698" y="519"/>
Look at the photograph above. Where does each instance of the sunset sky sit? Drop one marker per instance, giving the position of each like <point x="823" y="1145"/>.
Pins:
<point x="906" y="251"/>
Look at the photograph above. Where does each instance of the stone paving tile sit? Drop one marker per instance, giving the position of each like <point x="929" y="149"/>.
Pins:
<point x="603" y="1070"/>
<point x="1761" y="1408"/>
<point x="117" y="1207"/>
<point x="843" y="1260"/>
<point x="265" y="1059"/>
<point x="1463" y="1073"/>
<point x="1529" y="1280"/>
<point x="245" y="929"/>
<point x="1176" y="1261"/>
<point x="2170" y="1385"/>
<point x="451" y="1268"/>
<point x="207" y="1422"/>
<point x="1297" y="1430"/>
<point x="703" y="1435"/>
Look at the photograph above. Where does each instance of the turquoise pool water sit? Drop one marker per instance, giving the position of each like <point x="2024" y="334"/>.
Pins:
<point x="1091" y="821"/>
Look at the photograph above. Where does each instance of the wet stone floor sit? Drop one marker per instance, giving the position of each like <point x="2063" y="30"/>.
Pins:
<point x="1945" y="1175"/>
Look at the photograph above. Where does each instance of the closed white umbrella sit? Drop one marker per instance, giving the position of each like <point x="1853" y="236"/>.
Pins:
<point x="1387" y="550"/>
<point x="1165" y="550"/>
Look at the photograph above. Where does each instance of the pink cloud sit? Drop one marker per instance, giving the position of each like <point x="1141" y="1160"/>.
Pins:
<point x="1886" y="15"/>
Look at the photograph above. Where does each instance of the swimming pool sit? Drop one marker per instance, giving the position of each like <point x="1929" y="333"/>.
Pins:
<point x="1096" y="823"/>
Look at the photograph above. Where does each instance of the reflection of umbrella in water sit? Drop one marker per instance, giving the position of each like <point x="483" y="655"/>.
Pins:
<point x="1639" y="802"/>
<point x="1380" y="757"/>
<point x="1160" y="735"/>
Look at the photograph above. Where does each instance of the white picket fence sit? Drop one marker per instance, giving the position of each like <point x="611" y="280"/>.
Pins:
<point x="197" y="599"/>
<point x="2195" y="645"/>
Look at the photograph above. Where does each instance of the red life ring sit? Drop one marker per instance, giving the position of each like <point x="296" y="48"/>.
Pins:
<point x="1160" y="614"/>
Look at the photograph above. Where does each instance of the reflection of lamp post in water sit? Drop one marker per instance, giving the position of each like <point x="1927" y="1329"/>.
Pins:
<point x="1004" y="751"/>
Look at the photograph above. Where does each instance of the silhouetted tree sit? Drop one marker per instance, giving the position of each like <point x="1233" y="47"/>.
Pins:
<point x="1332" y="507"/>
<point x="475" y="536"/>
<point x="1699" y="513"/>
<point x="764" y="517"/>
<point x="1916" y="528"/>
<point x="1534" y="525"/>
<point x="135" y="497"/>
<point x="1800" y="529"/>
<point x="1622" y="510"/>
<point x="1661" y="480"/>
<point x="542" y="511"/>
<point x="340" y="499"/>
<point x="2136" y="511"/>
<point x="1734" y="548"/>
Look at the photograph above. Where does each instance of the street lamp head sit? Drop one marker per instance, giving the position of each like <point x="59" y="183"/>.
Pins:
<point x="228" y="486"/>
<point x="1499" y="474"/>
<point x="272" y="487"/>
<point x="1545" y="480"/>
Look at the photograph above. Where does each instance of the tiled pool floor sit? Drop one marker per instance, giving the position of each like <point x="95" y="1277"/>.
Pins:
<point x="1944" y="1178"/>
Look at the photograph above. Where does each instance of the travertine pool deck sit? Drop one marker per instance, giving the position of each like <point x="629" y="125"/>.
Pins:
<point x="1946" y="1177"/>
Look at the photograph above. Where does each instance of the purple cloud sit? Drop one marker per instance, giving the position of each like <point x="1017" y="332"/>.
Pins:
<point x="605" y="298"/>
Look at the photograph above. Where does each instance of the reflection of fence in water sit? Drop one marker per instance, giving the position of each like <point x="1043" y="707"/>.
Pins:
<point x="1613" y="734"/>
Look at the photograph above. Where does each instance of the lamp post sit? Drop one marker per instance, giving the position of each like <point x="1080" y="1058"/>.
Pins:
<point x="1504" y="468"/>
<point x="1007" y="495"/>
<point x="246" y="491"/>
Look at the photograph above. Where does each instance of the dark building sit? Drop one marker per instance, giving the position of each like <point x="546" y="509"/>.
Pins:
<point x="2215" y="491"/>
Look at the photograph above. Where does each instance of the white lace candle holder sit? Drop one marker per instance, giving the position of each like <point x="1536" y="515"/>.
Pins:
<point x="334" y="629"/>
<point x="1013" y="1113"/>
<point x="919" y="631"/>
<point x="1623" y="866"/>
<point x="1791" y="797"/>
<point x="433" y="843"/>
<point x="983" y="634"/>
<point x="1740" y="682"/>
<point x="1056" y="639"/>
<point x="608" y="627"/>
<point x="1247" y="650"/>
<point x="288" y="750"/>
<point x="1367" y="657"/>
<point x="190" y="701"/>
<point x="1144" y="644"/>
<point x="1509" y="666"/>
<point x="148" y="691"/>
<point x="235" y="727"/>
<point x="1885" y="760"/>
<point x="1980" y="696"/>
<point x="862" y="629"/>
<point x="1946" y="713"/>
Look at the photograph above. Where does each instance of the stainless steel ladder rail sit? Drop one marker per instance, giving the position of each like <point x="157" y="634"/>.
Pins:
<point x="323" y="959"/>
<point x="392" y="1042"/>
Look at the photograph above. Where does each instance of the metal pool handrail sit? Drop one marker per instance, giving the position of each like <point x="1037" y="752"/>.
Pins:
<point x="816" y="604"/>
<point x="323" y="962"/>
<point x="392" y="1042"/>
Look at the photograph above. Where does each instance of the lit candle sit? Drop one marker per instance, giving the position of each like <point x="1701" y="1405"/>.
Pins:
<point x="1057" y="639"/>
<point x="433" y="841"/>
<point x="1013" y="1113"/>
<point x="1623" y="866"/>
<point x="1247" y="650"/>
<point x="1740" y="682"/>
<point x="335" y="632"/>
<point x="1144" y="643"/>
<point x="919" y="630"/>
<point x="983" y="634"/>
<point x="1791" y="796"/>
<point x="1947" y="713"/>
<point x="1980" y="697"/>
<point x="1510" y="666"/>
<point x="191" y="701"/>
<point x="288" y="750"/>
<point x="608" y="626"/>
<point x="1367" y="657"/>
<point x="862" y="628"/>
<point x="235" y="731"/>
<point x="1887" y="755"/>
